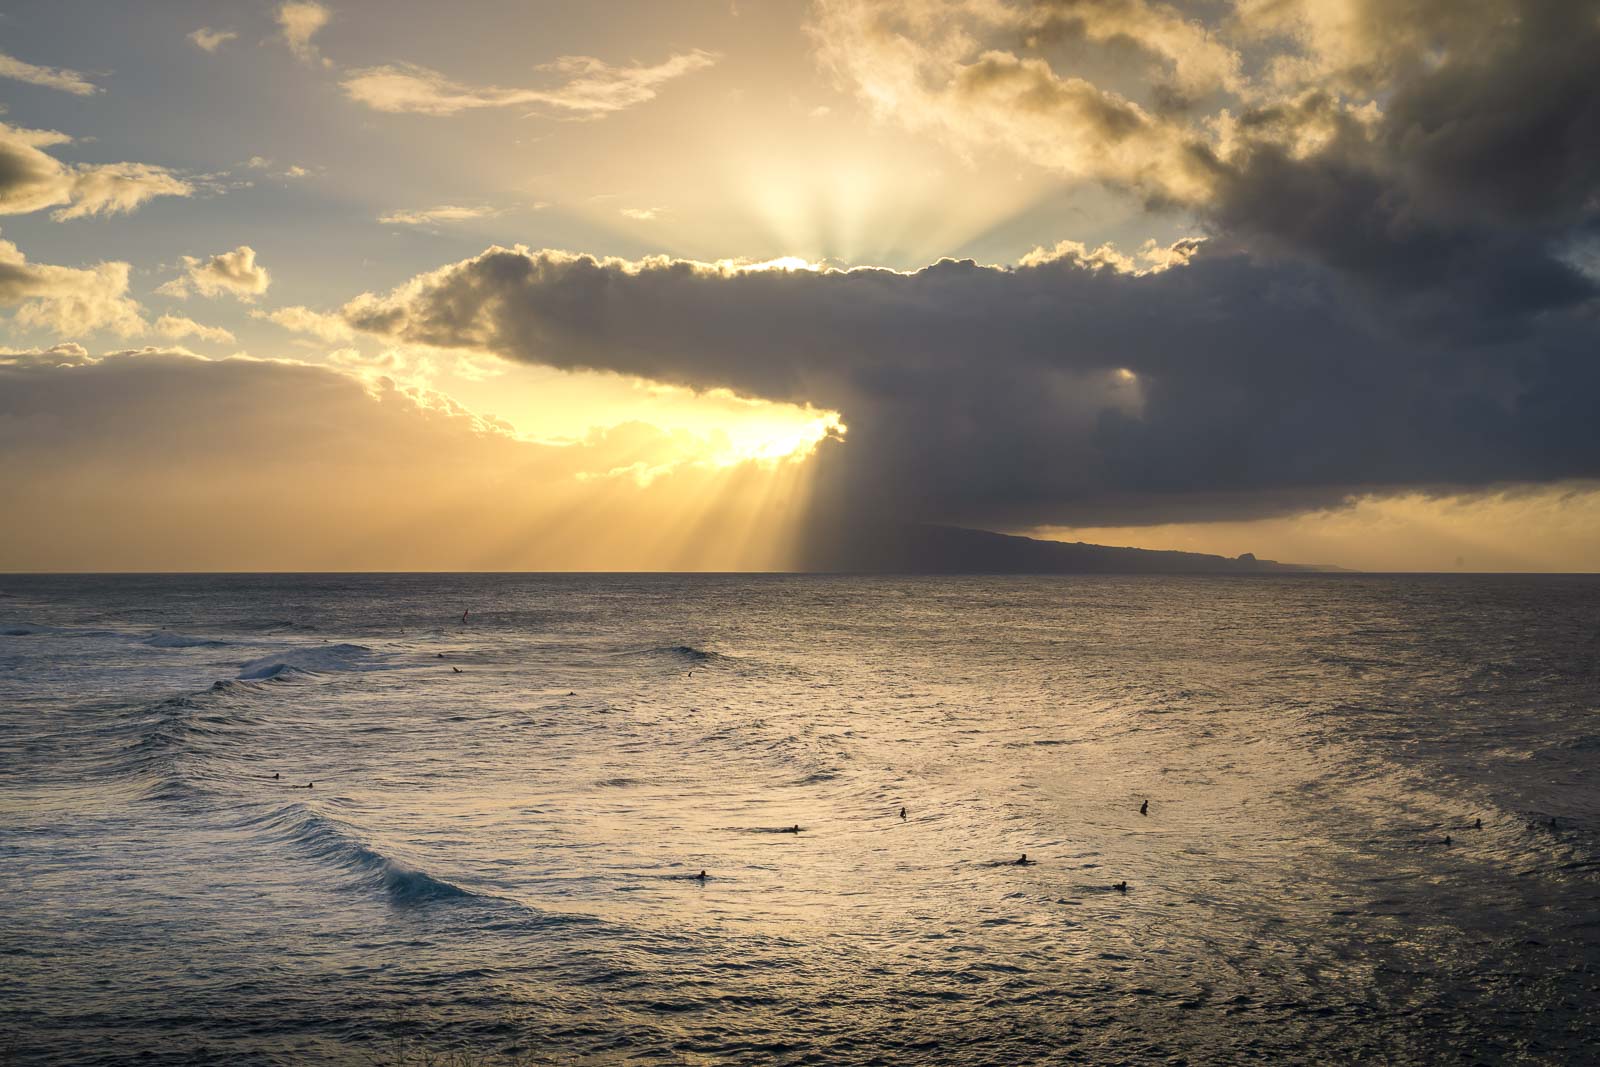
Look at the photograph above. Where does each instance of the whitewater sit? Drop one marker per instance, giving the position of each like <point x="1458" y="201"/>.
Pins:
<point x="287" y="819"/>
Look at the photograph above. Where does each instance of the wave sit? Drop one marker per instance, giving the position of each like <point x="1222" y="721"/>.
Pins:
<point x="339" y="844"/>
<point x="29" y="629"/>
<point x="687" y="653"/>
<point x="319" y="659"/>
<point x="159" y="738"/>
<point x="169" y="639"/>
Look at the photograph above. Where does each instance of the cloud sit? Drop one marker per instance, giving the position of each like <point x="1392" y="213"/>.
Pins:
<point x="1447" y="151"/>
<point x="641" y="214"/>
<point x="65" y="354"/>
<point x="177" y="327"/>
<point x="233" y="274"/>
<point x="303" y="320"/>
<point x="1083" y="386"/>
<point x="133" y="460"/>
<point x="31" y="179"/>
<point x="208" y="40"/>
<point x="68" y="81"/>
<point x="118" y="188"/>
<point x="434" y="215"/>
<point x="294" y="170"/>
<point x="591" y="89"/>
<point x="934" y="67"/>
<point x="300" y="21"/>
<point x="67" y="301"/>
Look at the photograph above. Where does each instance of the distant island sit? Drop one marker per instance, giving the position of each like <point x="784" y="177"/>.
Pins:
<point x="914" y="548"/>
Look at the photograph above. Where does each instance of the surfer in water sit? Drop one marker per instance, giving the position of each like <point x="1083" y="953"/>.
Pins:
<point x="1023" y="861"/>
<point x="456" y="669"/>
<point x="902" y="814"/>
<point x="790" y="829"/>
<point x="1121" y="887"/>
<point x="700" y="877"/>
<point x="1144" y="809"/>
<point x="464" y="614"/>
<point x="1477" y="824"/>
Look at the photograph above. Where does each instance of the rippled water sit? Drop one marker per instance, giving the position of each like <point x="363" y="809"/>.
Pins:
<point x="498" y="852"/>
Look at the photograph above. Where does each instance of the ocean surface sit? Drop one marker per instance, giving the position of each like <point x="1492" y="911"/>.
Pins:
<point x="496" y="860"/>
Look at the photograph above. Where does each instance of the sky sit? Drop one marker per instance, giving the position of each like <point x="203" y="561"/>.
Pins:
<point x="661" y="285"/>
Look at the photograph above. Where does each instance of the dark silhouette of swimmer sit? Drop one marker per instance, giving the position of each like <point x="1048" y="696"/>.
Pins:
<point x="456" y="669"/>
<point x="1144" y="809"/>
<point x="1121" y="887"/>
<point x="1553" y="825"/>
<point x="700" y="877"/>
<point x="276" y="775"/>
<point x="1447" y="840"/>
<point x="441" y="655"/>
<point x="1022" y="861"/>
<point x="464" y="614"/>
<point x="1477" y="824"/>
<point x="902" y="814"/>
<point x="790" y="829"/>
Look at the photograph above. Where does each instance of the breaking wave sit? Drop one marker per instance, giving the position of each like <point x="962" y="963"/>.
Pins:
<point x="340" y="845"/>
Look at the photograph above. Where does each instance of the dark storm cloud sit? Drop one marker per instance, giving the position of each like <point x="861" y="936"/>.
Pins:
<point x="1465" y="190"/>
<point x="993" y="395"/>
<point x="1389" y="299"/>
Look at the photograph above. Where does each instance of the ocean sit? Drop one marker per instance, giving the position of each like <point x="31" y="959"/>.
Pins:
<point x="316" y="819"/>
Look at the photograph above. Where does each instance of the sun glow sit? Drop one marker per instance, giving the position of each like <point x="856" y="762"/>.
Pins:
<point x="715" y="427"/>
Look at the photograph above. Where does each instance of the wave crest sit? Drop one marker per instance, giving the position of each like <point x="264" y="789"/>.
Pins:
<point x="318" y="659"/>
<point x="327" y="839"/>
<point x="169" y="639"/>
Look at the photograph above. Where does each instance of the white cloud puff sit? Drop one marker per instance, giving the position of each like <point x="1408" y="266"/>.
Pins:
<point x="208" y="40"/>
<point x="300" y="21"/>
<point x="67" y="301"/>
<point x="178" y="327"/>
<point x="592" y="88"/>
<point x="31" y="179"/>
<point x="68" y="81"/>
<point x="298" y="319"/>
<point x="235" y="274"/>
<point x="433" y="215"/>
